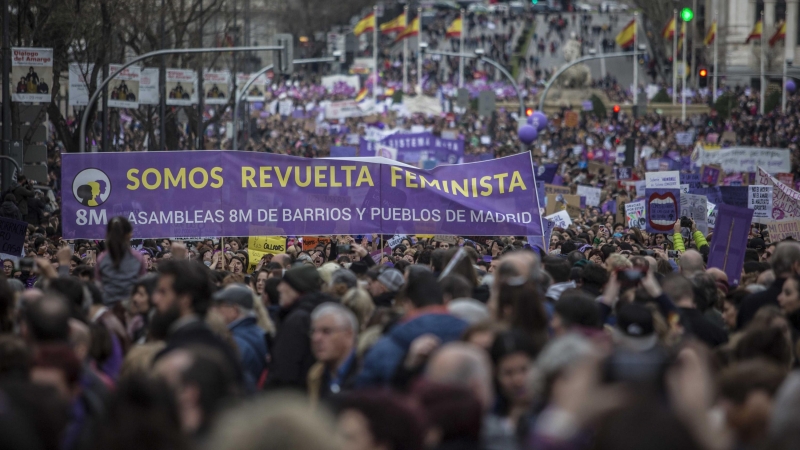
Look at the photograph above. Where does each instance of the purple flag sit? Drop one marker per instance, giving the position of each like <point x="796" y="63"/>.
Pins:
<point x="730" y="241"/>
<point x="230" y="193"/>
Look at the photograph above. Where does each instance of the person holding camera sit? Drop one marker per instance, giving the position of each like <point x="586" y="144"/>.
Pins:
<point x="22" y="191"/>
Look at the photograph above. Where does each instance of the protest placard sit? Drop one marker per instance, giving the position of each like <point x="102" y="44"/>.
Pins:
<point x="759" y="199"/>
<point x="782" y="229"/>
<point x="624" y="173"/>
<point x="712" y="214"/>
<point x="553" y="189"/>
<point x="729" y="242"/>
<point x="562" y="202"/>
<point x="662" y="209"/>
<point x="662" y="180"/>
<point x="311" y="242"/>
<point x="695" y="207"/>
<point x="12" y="236"/>
<point x="31" y="74"/>
<point x="711" y="175"/>
<point x="560" y="219"/>
<point x="635" y="214"/>
<point x="396" y="240"/>
<point x="592" y="194"/>
<point x="785" y="200"/>
<point x="181" y="87"/>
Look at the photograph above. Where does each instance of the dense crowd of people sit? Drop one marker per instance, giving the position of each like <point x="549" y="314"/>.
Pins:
<point x="605" y="337"/>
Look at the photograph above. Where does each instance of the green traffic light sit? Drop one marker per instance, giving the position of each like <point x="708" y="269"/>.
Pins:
<point x="534" y="1"/>
<point x="687" y="14"/>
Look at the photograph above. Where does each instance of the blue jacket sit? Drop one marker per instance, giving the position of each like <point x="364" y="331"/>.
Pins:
<point x="382" y="360"/>
<point x="249" y="338"/>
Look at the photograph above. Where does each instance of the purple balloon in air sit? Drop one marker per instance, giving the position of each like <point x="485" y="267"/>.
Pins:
<point x="258" y="106"/>
<point x="527" y="134"/>
<point x="539" y="120"/>
<point x="791" y="86"/>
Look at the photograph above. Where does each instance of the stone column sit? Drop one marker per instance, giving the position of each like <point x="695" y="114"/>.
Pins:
<point x="791" y="30"/>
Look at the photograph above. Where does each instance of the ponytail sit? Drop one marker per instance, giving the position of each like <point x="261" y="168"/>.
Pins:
<point x="117" y="241"/>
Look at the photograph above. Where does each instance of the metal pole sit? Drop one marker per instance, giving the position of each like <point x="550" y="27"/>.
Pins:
<point x="177" y="51"/>
<point x="675" y="57"/>
<point x="240" y="94"/>
<point x="602" y="50"/>
<point x="783" y="88"/>
<point x="6" y="91"/>
<point x="694" y="46"/>
<point x="567" y="66"/>
<point x="635" y="58"/>
<point x="419" y="52"/>
<point x="200" y="91"/>
<point x="685" y="77"/>
<point x="162" y="86"/>
<point x="762" y="57"/>
<point x="375" y="56"/>
<point x="715" y="81"/>
<point x="104" y="132"/>
<point x="461" y="49"/>
<point x="405" y="54"/>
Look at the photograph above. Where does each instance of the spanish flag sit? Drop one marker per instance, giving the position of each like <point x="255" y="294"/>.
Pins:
<point x="680" y="36"/>
<point x="365" y="25"/>
<point x="411" y="30"/>
<point x="388" y="92"/>
<point x="669" y="31"/>
<point x="395" y="25"/>
<point x="454" y="30"/>
<point x="780" y="34"/>
<point x="626" y="36"/>
<point x="362" y="94"/>
<point x="712" y="34"/>
<point x="755" y="33"/>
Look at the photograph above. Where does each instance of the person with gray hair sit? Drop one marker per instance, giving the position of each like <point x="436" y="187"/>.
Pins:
<point x="334" y="329"/>
<point x="785" y="263"/>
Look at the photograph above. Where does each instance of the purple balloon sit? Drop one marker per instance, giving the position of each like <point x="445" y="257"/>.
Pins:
<point x="258" y="106"/>
<point x="790" y="85"/>
<point x="527" y="134"/>
<point x="539" y="120"/>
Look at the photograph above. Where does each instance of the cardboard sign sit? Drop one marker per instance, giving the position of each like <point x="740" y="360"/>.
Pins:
<point x="592" y="195"/>
<point x="571" y="119"/>
<point x="311" y="242"/>
<point x="447" y="239"/>
<point x="662" y="180"/>
<point x="12" y="236"/>
<point x="258" y="246"/>
<point x="560" y="202"/>
<point x="596" y="168"/>
<point x="560" y="219"/>
<point x="782" y="229"/>
<point x="553" y="189"/>
<point x="635" y="215"/>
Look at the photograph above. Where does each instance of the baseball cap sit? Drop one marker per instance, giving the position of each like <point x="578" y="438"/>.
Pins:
<point x="635" y="330"/>
<point x="235" y="294"/>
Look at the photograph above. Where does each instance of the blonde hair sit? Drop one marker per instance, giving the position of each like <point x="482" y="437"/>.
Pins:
<point x="139" y="359"/>
<point x="360" y="302"/>
<point x="615" y="261"/>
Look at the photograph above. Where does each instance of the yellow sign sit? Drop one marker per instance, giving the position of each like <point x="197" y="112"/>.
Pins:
<point x="259" y="246"/>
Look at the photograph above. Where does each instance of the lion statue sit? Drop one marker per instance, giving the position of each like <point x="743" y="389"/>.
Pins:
<point x="579" y="75"/>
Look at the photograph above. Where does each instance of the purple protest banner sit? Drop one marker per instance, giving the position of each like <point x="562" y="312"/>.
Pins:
<point x="342" y="151"/>
<point x="710" y="175"/>
<point x="730" y="241"/>
<point x="662" y="209"/>
<point x="229" y="193"/>
<point x="411" y="147"/>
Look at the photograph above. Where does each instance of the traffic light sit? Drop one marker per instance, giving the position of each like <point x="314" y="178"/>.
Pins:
<point x="615" y="112"/>
<point x="703" y="77"/>
<point x="282" y="59"/>
<point x="687" y="14"/>
<point x="528" y="112"/>
<point x="533" y="2"/>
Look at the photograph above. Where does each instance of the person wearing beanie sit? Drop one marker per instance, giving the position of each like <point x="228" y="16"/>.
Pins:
<point x="383" y="285"/>
<point x="300" y="292"/>
<point x="9" y="208"/>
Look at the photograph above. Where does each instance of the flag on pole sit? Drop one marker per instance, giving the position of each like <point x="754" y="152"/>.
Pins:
<point x="680" y="36"/>
<point x="454" y="30"/>
<point x="755" y="33"/>
<point x="712" y="34"/>
<point x="365" y="25"/>
<point x="669" y="31"/>
<point x="362" y="94"/>
<point x="411" y="30"/>
<point x="625" y="37"/>
<point x="395" y="25"/>
<point x="780" y="34"/>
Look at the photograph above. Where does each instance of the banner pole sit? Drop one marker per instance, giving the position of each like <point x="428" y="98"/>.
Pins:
<point x="538" y="206"/>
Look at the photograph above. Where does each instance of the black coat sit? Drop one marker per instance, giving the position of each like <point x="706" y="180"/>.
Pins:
<point x="291" y="353"/>
<point x="753" y="302"/>
<point x="702" y="328"/>
<point x="10" y="210"/>
<point x="198" y="333"/>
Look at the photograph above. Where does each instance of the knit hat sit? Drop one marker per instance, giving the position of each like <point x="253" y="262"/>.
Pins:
<point x="635" y="330"/>
<point x="303" y="279"/>
<point x="389" y="277"/>
<point x="235" y="294"/>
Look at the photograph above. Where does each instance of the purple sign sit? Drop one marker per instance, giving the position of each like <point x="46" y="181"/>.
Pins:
<point x="411" y="146"/>
<point x="230" y="193"/>
<point x="710" y="176"/>
<point x="342" y="152"/>
<point x="662" y="209"/>
<point x="12" y="236"/>
<point x="692" y="179"/>
<point x="624" y="173"/>
<point x="730" y="241"/>
<point x="546" y="172"/>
